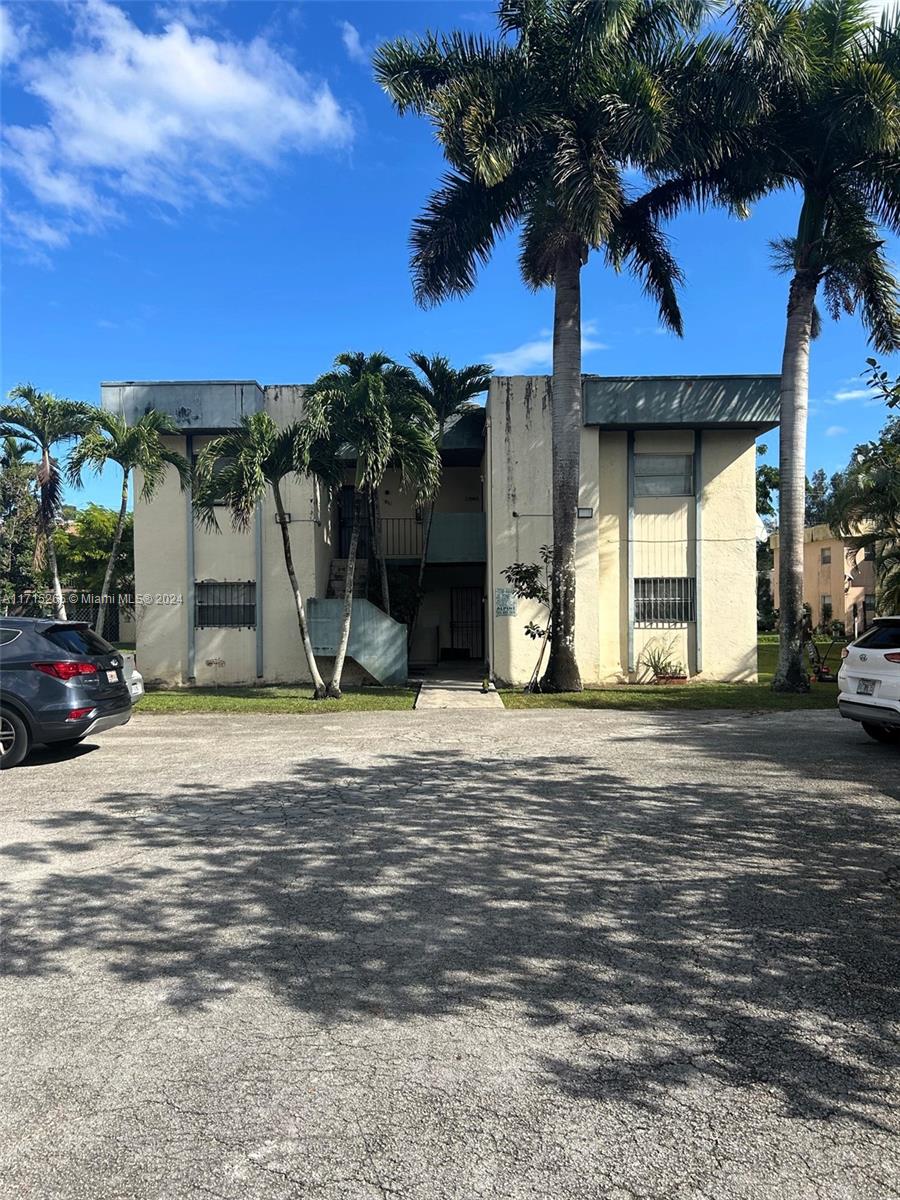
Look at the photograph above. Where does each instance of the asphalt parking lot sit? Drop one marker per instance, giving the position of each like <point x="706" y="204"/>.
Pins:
<point x="419" y="956"/>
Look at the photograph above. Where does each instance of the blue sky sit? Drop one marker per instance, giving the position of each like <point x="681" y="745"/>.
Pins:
<point x="221" y="191"/>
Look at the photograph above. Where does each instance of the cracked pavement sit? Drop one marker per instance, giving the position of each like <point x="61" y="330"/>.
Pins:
<point x="421" y="956"/>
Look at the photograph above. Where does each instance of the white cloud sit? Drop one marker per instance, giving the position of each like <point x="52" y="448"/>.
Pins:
<point x="176" y="115"/>
<point x="835" y="431"/>
<point x="539" y="353"/>
<point x="849" y="394"/>
<point x="11" y="40"/>
<point x="353" y="43"/>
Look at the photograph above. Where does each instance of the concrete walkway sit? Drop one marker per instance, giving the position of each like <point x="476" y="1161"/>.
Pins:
<point x="459" y="687"/>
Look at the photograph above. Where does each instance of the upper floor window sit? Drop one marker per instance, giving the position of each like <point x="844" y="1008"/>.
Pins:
<point x="225" y="605"/>
<point x="869" y="553"/>
<point x="825" y="555"/>
<point x="663" y="474"/>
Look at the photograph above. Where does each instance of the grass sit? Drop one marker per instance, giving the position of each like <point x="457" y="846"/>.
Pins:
<point x="272" y="700"/>
<point x="751" y="697"/>
<point x="646" y="697"/>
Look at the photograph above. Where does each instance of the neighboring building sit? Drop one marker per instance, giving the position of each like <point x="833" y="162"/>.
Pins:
<point x="666" y="538"/>
<point x="838" y="578"/>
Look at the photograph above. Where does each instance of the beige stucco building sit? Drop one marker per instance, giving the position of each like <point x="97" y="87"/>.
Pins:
<point x="666" y="538"/>
<point x="838" y="578"/>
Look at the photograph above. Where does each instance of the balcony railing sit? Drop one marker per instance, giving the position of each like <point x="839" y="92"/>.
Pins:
<point x="455" y="537"/>
<point x="401" y="537"/>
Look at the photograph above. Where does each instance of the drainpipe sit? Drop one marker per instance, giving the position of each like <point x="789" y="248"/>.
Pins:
<point x="191" y="647"/>
<point x="698" y="548"/>
<point x="629" y="549"/>
<point x="260" y="662"/>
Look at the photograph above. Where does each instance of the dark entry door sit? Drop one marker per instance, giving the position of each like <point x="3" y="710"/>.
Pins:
<point x="467" y="623"/>
<point x="345" y="525"/>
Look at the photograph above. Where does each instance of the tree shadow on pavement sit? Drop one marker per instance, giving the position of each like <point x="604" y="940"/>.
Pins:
<point x="673" y="932"/>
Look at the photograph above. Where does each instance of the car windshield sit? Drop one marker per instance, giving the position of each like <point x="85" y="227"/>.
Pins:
<point x="882" y="637"/>
<point x="78" y="641"/>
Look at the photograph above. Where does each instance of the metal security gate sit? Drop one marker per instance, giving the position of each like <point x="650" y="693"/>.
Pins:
<point x="467" y="623"/>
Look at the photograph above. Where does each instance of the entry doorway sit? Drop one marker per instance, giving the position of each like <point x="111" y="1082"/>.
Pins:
<point x="466" y="624"/>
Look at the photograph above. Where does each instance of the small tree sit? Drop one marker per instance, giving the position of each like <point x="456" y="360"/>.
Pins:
<point x="237" y="469"/>
<point x="18" y="523"/>
<point x="138" y="447"/>
<point x="532" y="581"/>
<point x="83" y="550"/>
<point x="43" y="421"/>
<point x="371" y="409"/>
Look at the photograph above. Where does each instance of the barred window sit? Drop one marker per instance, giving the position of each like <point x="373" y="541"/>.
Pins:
<point x="664" y="475"/>
<point x="666" y="601"/>
<point x="225" y="605"/>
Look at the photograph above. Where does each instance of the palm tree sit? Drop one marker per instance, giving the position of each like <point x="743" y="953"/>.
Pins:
<point x="237" y="469"/>
<point x="826" y="88"/>
<point x="449" y="391"/>
<point x="371" y="408"/>
<point x="539" y="128"/>
<point x="138" y="447"/>
<point x="43" y="421"/>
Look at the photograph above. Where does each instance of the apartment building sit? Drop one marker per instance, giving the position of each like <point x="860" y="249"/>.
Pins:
<point x="665" y="546"/>
<point x="838" y="578"/>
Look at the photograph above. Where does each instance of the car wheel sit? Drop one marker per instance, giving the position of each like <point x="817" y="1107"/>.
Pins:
<point x="882" y="733"/>
<point x="14" y="739"/>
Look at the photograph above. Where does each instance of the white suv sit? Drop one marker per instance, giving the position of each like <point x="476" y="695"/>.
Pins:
<point x="869" y="680"/>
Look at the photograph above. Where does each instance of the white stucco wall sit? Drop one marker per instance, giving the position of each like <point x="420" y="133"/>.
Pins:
<point x="519" y="523"/>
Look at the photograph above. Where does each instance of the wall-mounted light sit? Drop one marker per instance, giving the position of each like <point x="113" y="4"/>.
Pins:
<point x="585" y="514"/>
<point x="285" y="520"/>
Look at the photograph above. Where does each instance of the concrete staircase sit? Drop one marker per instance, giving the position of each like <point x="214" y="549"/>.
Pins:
<point x="337" y="578"/>
<point x="377" y="642"/>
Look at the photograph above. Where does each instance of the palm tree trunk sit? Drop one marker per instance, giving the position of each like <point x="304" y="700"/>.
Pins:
<point x="59" y="607"/>
<point x="790" y="675"/>
<point x="314" y="673"/>
<point x="47" y="523"/>
<point x="334" y="688"/>
<point x="562" y="674"/>
<point x="378" y="550"/>
<point x="110" y="566"/>
<point x="426" y="538"/>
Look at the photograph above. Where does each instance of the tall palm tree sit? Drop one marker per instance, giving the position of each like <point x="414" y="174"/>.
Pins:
<point x="539" y="128"/>
<point x="449" y="391"/>
<point x="237" y="469"/>
<point x="137" y="447"/>
<point x="44" y="421"/>
<point x="370" y="408"/>
<point x="825" y="82"/>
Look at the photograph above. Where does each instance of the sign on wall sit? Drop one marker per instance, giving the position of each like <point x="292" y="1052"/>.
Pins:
<point x="506" y="602"/>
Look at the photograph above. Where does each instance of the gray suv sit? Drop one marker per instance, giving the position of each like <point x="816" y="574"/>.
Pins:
<point x="59" y="682"/>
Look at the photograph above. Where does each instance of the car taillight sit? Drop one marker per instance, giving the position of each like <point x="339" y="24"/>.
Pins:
<point x="65" y="670"/>
<point x="844" y="652"/>
<point x="75" y="714"/>
<point x="892" y="657"/>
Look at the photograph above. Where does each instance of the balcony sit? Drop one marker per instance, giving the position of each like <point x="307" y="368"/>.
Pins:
<point x="455" y="537"/>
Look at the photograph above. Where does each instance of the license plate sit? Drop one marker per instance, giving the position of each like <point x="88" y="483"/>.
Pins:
<point x="112" y="677"/>
<point x="866" y="687"/>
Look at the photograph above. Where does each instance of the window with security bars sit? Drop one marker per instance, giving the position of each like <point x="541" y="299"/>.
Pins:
<point x="664" y="475"/>
<point x="664" y="601"/>
<point x="225" y="605"/>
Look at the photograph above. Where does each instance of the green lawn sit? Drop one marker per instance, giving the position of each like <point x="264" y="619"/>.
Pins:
<point x="271" y="700"/>
<point x="748" y="696"/>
